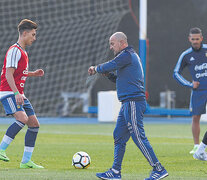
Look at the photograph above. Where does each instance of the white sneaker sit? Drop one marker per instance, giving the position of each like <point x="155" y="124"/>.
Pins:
<point x="200" y="156"/>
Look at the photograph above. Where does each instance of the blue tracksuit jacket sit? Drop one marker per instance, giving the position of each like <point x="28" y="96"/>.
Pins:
<point x="129" y="76"/>
<point x="196" y="61"/>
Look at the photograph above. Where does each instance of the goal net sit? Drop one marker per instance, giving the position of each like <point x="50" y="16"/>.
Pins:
<point x="72" y="35"/>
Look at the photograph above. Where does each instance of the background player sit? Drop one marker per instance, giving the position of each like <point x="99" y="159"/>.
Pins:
<point x="13" y="76"/>
<point x="195" y="58"/>
<point x="130" y="90"/>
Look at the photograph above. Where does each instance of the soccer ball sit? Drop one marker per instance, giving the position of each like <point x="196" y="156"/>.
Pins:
<point x="81" y="160"/>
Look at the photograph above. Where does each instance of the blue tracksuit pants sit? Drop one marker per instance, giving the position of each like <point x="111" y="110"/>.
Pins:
<point x="130" y="123"/>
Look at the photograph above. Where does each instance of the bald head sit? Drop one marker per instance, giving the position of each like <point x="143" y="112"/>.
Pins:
<point x="118" y="41"/>
<point x="119" y="36"/>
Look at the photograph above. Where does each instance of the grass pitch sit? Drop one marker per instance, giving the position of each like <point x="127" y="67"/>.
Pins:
<point x="56" y="145"/>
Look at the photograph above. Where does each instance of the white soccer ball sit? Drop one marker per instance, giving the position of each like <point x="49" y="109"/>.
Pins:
<point x="81" y="160"/>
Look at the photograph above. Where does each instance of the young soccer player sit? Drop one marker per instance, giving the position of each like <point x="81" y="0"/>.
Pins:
<point x="13" y="76"/>
<point x="130" y="90"/>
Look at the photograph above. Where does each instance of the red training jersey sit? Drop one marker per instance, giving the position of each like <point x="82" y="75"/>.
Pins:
<point x="21" y="68"/>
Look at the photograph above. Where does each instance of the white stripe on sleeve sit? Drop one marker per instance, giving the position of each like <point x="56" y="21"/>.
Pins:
<point x="13" y="57"/>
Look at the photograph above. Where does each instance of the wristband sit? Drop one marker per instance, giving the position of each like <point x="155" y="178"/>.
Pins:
<point x="95" y="68"/>
<point x="16" y="93"/>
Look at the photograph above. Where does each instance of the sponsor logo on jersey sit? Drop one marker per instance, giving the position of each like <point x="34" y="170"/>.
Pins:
<point x="200" y="75"/>
<point x="25" y="71"/>
<point x="22" y="85"/>
<point x="200" y="67"/>
<point x="24" y="78"/>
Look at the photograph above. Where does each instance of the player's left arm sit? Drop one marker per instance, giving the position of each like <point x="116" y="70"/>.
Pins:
<point x="36" y="73"/>
<point x="181" y="64"/>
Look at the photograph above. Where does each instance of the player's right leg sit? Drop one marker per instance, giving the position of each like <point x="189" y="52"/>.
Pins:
<point x="121" y="136"/>
<point x="198" y="106"/>
<point x="9" y="104"/>
<point x="201" y="154"/>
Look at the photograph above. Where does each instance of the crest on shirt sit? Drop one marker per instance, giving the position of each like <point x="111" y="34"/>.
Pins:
<point x="206" y="54"/>
<point x="192" y="59"/>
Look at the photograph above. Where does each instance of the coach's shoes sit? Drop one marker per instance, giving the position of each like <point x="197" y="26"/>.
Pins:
<point x="194" y="150"/>
<point x="3" y="156"/>
<point x="156" y="175"/>
<point x="30" y="164"/>
<point x="110" y="174"/>
<point x="200" y="156"/>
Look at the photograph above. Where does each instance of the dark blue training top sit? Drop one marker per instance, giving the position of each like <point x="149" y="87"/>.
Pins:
<point x="129" y="76"/>
<point x="196" y="61"/>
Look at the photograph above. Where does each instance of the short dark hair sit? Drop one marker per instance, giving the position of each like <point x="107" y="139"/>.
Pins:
<point x="195" y="30"/>
<point x="26" y="25"/>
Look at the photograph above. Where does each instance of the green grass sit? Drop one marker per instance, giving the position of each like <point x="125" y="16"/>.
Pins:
<point x="56" y="144"/>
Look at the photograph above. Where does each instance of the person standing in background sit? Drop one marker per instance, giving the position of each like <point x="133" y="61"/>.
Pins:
<point x="195" y="58"/>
